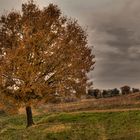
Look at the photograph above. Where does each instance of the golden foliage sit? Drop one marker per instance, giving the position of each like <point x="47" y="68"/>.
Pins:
<point x="42" y="53"/>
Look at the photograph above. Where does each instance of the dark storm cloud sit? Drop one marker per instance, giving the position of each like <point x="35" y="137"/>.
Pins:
<point x="118" y="50"/>
<point x="124" y="38"/>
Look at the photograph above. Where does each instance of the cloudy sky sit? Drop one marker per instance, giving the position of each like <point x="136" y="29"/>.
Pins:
<point x="114" y="31"/>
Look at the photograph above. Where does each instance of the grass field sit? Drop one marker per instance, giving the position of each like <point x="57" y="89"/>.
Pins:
<point x="115" y="118"/>
<point x="73" y="126"/>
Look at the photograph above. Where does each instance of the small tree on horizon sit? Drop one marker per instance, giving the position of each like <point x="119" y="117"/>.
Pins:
<point x="42" y="53"/>
<point x="125" y="90"/>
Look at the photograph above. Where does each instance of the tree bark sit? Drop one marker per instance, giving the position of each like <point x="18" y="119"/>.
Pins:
<point x="29" y="116"/>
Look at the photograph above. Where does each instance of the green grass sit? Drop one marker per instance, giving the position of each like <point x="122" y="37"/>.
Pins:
<point x="73" y="126"/>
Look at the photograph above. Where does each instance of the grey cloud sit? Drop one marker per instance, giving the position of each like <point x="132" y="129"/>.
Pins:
<point x="116" y="36"/>
<point x="6" y="5"/>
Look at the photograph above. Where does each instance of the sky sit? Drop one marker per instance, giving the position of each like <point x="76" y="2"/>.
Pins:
<point x="113" y="27"/>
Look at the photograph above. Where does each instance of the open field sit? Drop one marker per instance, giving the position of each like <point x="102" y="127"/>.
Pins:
<point x="115" y="118"/>
<point x="130" y="101"/>
<point x="73" y="126"/>
<point x="118" y="103"/>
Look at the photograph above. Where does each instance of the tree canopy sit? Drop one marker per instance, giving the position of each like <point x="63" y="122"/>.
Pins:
<point x="42" y="53"/>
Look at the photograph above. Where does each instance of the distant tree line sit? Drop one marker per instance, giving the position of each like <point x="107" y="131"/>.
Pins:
<point x="97" y="93"/>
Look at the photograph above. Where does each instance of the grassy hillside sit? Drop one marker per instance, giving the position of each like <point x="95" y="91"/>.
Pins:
<point x="73" y="126"/>
<point x="118" y="102"/>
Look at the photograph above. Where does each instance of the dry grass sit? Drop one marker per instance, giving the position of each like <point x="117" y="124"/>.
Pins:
<point x="118" y="102"/>
<point x="23" y="111"/>
<point x="122" y="103"/>
<point x="57" y="128"/>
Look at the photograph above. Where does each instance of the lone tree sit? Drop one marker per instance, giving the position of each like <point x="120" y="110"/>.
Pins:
<point x="125" y="90"/>
<point x="42" y="53"/>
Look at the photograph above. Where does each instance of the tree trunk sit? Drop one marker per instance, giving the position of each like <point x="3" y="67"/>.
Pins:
<point x="29" y="116"/>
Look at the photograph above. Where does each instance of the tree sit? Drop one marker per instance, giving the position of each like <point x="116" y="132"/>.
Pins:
<point x="42" y="54"/>
<point x="125" y="90"/>
<point x="105" y="93"/>
<point x="94" y="92"/>
<point x="135" y="90"/>
<point x="115" y="92"/>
